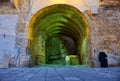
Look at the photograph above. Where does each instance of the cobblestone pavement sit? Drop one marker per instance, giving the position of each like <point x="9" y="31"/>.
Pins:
<point x="60" y="74"/>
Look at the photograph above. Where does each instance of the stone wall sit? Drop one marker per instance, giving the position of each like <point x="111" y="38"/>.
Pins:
<point x="6" y="8"/>
<point x="104" y="33"/>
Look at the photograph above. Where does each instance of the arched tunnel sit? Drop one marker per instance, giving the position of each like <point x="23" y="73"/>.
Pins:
<point x="55" y="32"/>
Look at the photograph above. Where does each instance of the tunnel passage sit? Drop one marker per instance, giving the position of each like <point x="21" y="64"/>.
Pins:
<point x="55" y="32"/>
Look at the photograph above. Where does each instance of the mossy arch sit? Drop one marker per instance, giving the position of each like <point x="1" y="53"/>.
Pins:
<point x="61" y="23"/>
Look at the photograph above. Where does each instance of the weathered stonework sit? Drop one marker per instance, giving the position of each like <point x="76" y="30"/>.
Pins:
<point x="6" y="8"/>
<point x="7" y="38"/>
<point x="104" y="30"/>
<point x="104" y="33"/>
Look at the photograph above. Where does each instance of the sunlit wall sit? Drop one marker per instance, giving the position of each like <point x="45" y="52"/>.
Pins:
<point x="82" y="5"/>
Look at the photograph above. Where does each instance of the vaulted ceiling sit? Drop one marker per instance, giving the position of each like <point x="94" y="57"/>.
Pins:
<point x="59" y="19"/>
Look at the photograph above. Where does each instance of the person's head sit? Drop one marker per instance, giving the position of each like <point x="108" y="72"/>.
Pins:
<point x="102" y="53"/>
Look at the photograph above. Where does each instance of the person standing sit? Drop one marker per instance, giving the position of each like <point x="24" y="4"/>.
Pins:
<point x="103" y="60"/>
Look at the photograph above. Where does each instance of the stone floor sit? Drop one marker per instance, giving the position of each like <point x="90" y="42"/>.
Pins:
<point x="60" y="74"/>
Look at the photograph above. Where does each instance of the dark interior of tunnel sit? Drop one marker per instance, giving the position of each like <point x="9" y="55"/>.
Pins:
<point x="59" y="47"/>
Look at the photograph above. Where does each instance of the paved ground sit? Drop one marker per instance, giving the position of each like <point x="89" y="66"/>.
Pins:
<point x="60" y="74"/>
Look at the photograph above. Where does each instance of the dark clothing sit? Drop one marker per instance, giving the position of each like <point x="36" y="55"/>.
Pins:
<point x="103" y="59"/>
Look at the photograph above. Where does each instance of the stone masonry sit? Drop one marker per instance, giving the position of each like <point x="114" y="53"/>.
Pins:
<point x="21" y="39"/>
<point x="104" y="30"/>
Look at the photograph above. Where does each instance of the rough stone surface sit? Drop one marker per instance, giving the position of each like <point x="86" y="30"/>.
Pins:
<point x="104" y="33"/>
<point x="6" y="8"/>
<point x="8" y="25"/>
<point x="60" y="74"/>
<point x="4" y="60"/>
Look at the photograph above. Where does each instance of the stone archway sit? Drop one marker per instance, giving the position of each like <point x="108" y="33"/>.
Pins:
<point x="61" y="24"/>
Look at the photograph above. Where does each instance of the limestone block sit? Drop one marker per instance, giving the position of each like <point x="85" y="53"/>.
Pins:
<point x="8" y="25"/>
<point x="24" y="60"/>
<point x="12" y="62"/>
<point x="22" y="17"/>
<point x="5" y="4"/>
<point x="4" y="60"/>
<point x="94" y="9"/>
<point x="21" y="27"/>
<point x="14" y="3"/>
<point x="21" y="42"/>
<point x="80" y="4"/>
<point x="113" y="60"/>
<point x="94" y="57"/>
